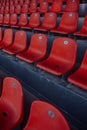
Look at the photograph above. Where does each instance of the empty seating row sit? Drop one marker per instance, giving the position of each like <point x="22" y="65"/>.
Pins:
<point x="42" y="115"/>
<point x="61" y="60"/>
<point x="71" y="6"/>
<point x="68" y="23"/>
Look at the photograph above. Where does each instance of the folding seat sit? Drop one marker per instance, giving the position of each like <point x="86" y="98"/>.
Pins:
<point x="62" y="57"/>
<point x="6" y="19"/>
<point x="0" y="34"/>
<point x="72" y="6"/>
<point x="43" y="7"/>
<point x="11" y="104"/>
<point x="19" y="44"/>
<point x="27" y="2"/>
<point x="40" y="1"/>
<point x="44" y="116"/>
<point x="1" y="19"/>
<point x="49" y="22"/>
<point x="13" y="20"/>
<point x="56" y="6"/>
<point x="12" y="9"/>
<point x="18" y="9"/>
<point x="21" y="2"/>
<point x="6" y="11"/>
<point x="33" y="8"/>
<point x="25" y="8"/>
<point x="79" y="78"/>
<point x="23" y="20"/>
<point x="7" y="39"/>
<point x="68" y="23"/>
<point x="34" y="21"/>
<point x="37" y="50"/>
<point x="83" y="31"/>
<point x="2" y="10"/>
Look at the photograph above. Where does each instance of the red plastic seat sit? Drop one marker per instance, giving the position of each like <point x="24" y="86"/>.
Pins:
<point x="44" y="116"/>
<point x="12" y="9"/>
<point x="50" y="1"/>
<point x="7" y="39"/>
<point x="83" y="31"/>
<point x="0" y="34"/>
<point x="67" y="25"/>
<point x="37" y="50"/>
<point x="6" y="11"/>
<point x="34" y="21"/>
<point x="2" y="10"/>
<point x="43" y="7"/>
<point x="19" y="44"/>
<point x="13" y="19"/>
<point x="33" y="8"/>
<point x="49" y="22"/>
<point x="79" y="78"/>
<point x="1" y="19"/>
<point x="27" y="2"/>
<point x="23" y="20"/>
<point x="62" y="57"/>
<point x="11" y="104"/>
<point x="18" y="9"/>
<point x="56" y="6"/>
<point x="6" y="19"/>
<point x="25" y="8"/>
<point x="72" y="6"/>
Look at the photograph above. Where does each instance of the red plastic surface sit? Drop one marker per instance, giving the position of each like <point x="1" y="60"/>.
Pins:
<point x="7" y="39"/>
<point x="68" y="23"/>
<point x="12" y="9"/>
<point x="23" y="20"/>
<point x="44" y="116"/>
<point x="37" y="50"/>
<point x="33" y="7"/>
<point x="83" y="31"/>
<point x="18" y="9"/>
<point x="49" y="22"/>
<point x="1" y="18"/>
<point x="79" y="77"/>
<point x="62" y="57"/>
<point x="0" y="34"/>
<point x="11" y="104"/>
<point x="6" y="19"/>
<point x="25" y="8"/>
<point x="13" y="19"/>
<point x="19" y="43"/>
<point x="43" y="7"/>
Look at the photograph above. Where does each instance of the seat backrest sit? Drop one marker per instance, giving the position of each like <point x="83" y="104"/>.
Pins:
<point x="33" y="7"/>
<point x="38" y="43"/>
<point x="8" y="36"/>
<point x="6" y="18"/>
<point x="12" y="9"/>
<point x="20" y="39"/>
<point x="27" y="2"/>
<point x="23" y="19"/>
<point x="1" y="18"/>
<point x="64" y="49"/>
<point x="84" y="26"/>
<point x="35" y="19"/>
<point x="50" y="19"/>
<point x="18" y="9"/>
<point x="44" y="116"/>
<point x="56" y="6"/>
<point x="13" y="19"/>
<point x="84" y="62"/>
<point x="6" y="9"/>
<point x="25" y="8"/>
<point x="2" y="10"/>
<point x="44" y="7"/>
<point x="12" y="92"/>
<point x="66" y="19"/>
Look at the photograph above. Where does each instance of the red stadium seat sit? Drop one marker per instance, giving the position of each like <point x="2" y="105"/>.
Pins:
<point x="37" y="50"/>
<point x="62" y="57"/>
<point x="23" y="20"/>
<point x="0" y="34"/>
<point x="6" y="19"/>
<point x="12" y="9"/>
<point x="83" y="31"/>
<point x="43" y="7"/>
<point x="25" y="8"/>
<point x="33" y="8"/>
<point x="7" y="39"/>
<point x="67" y="25"/>
<point x="19" y="44"/>
<point x="18" y="9"/>
<point x="50" y="1"/>
<point x="34" y="21"/>
<point x="56" y="6"/>
<point x="2" y="10"/>
<point x="79" y="78"/>
<point x="13" y="19"/>
<point x="1" y="19"/>
<point x="49" y="22"/>
<point x="72" y="6"/>
<point x="44" y="116"/>
<point x="27" y="2"/>
<point x="11" y="104"/>
<point x="6" y="11"/>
